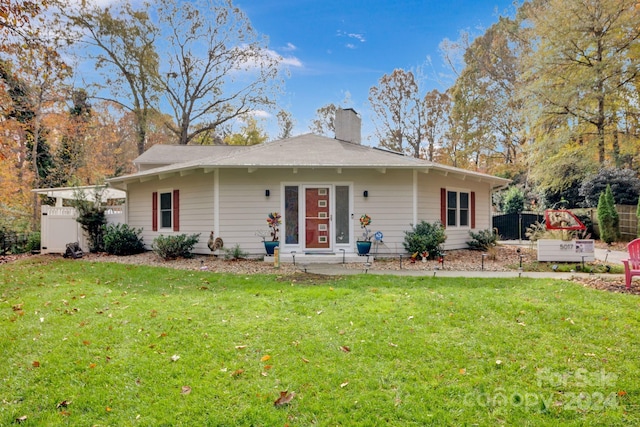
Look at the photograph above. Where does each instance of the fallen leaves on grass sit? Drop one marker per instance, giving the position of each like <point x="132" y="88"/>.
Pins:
<point x="237" y="373"/>
<point x="63" y="404"/>
<point x="21" y="419"/>
<point x="345" y="348"/>
<point x="185" y="389"/>
<point x="175" y="358"/>
<point x="35" y="364"/>
<point x="265" y="358"/>
<point x="284" y="399"/>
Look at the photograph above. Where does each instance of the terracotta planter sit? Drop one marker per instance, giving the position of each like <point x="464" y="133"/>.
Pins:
<point x="270" y="246"/>
<point x="363" y="247"/>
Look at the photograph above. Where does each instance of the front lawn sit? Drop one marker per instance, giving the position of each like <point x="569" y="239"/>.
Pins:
<point x="119" y="345"/>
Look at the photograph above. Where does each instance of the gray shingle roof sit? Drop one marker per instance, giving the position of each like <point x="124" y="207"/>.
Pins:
<point x="301" y="151"/>
<point x="170" y="154"/>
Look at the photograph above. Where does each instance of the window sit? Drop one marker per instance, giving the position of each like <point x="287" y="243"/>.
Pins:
<point x="464" y="210"/>
<point x="452" y="208"/>
<point x="342" y="216"/>
<point x="165" y="208"/>
<point x="458" y="209"/>
<point x="291" y="214"/>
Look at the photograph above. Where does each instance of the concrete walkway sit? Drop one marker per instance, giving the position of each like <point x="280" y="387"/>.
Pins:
<point x="603" y="255"/>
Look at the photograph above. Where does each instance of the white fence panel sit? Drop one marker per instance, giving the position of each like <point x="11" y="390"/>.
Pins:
<point x="115" y="214"/>
<point x="59" y="227"/>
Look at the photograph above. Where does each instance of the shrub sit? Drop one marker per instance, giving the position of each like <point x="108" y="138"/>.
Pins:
<point x="536" y="231"/>
<point x="482" y="240"/>
<point x="120" y="239"/>
<point x="17" y="243"/>
<point x="513" y="201"/>
<point x="425" y="237"/>
<point x="33" y="242"/>
<point x="172" y="247"/>
<point x="235" y="253"/>
<point x="624" y="183"/>
<point x="92" y="218"/>
<point x="607" y="218"/>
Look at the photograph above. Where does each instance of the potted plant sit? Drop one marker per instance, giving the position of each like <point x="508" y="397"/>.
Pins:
<point x="364" y="242"/>
<point x="274" y="219"/>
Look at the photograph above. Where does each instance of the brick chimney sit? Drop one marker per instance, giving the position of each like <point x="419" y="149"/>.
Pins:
<point x="348" y="124"/>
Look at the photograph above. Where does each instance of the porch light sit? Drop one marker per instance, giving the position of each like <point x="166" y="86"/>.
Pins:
<point x="366" y="193"/>
<point x="267" y="193"/>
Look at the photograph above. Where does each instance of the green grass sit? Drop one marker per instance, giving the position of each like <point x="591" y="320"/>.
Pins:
<point x="423" y="351"/>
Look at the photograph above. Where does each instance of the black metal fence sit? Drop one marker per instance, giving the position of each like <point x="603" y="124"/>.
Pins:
<point x="514" y="226"/>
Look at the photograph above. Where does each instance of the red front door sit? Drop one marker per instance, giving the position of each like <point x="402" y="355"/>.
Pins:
<point x="317" y="218"/>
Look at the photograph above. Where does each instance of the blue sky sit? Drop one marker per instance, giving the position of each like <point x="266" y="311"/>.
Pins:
<point x="339" y="49"/>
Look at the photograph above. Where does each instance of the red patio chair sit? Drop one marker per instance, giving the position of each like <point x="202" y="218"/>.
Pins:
<point x="632" y="265"/>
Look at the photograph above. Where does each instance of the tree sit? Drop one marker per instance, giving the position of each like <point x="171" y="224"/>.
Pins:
<point x="513" y="200"/>
<point x="33" y="71"/>
<point x="605" y="220"/>
<point x="70" y="155"/>
<point x="624" y="183"/>
<point x="437" y="107"/>
<point x="486" y="114"/>
<point x="250" y="134"/>
<point x="324" y="123"/>
<point x="611" y="204"/>
<point x="217" y="67"/>
<point x="285" y="123"/>
<point x="20" y="22"/>
<point x="122" y="42"/>
<point x="400" y="114"/>
<point x="34" y="87"/>
<point x="584" y="67"/>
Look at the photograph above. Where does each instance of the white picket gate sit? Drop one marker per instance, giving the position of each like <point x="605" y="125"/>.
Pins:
<point x="59" y="227"/>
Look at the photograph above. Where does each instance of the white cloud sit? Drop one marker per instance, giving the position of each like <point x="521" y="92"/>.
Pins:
<point x="350" y="46"/>
<point x="270" y="55"/>
<point x="261" y="114"/>
<point x="356" y="36"/>
<point x="290" y="47"/>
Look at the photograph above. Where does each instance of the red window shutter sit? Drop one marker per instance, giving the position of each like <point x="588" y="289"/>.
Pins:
<point x="176" y="210"/>
<point x="473" y="209"/>
<point x="443" y="207"/>
<point x="154" y="211"/>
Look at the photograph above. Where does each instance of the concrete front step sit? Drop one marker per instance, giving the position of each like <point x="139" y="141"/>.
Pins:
<point x="319" y="258"/>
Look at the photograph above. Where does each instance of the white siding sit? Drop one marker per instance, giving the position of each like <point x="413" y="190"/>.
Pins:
<point x="429" y="204"/>
<point x="196" y="206"/>
<point x="243" y="206"/>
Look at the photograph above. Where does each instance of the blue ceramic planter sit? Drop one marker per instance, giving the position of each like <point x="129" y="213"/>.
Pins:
<point x="270" y="246"/>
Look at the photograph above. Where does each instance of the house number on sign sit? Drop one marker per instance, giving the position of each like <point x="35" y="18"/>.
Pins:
<point x="566" y="246"/>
